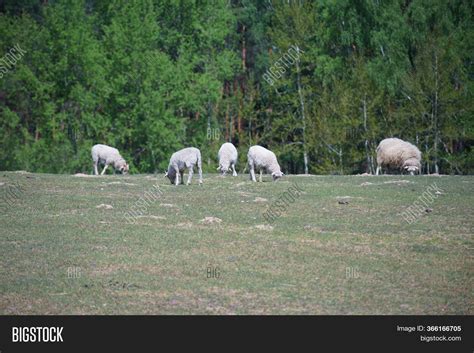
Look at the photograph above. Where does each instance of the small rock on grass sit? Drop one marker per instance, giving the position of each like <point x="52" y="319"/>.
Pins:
<point x="211" y="220"/>
<point x="343" y="200"/>
<point x="103" y="205"/>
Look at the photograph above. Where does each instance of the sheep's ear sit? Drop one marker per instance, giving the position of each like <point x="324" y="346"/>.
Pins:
<point x="166" y="174"/>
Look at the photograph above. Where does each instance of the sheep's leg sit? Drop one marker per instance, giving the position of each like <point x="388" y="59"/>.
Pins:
<point x="199" y="171"/>
<point x="379" y="168"/>
<point x="105" y="168"/>
<point x="190" y="175"/>
<point x="252" y="173"/>
<point x="177" y="174"/>
<point x="234" y="173"/>
<point x="96" y="171"/>
<point x="261" y="173"/>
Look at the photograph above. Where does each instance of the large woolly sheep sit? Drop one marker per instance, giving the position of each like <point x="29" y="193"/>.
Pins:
<point x="186" y="158"/>
<point x="227" y="158"/>
<point x="400" y="154"/>
<point x="262" y="159"/>
<point x="103" y="154"/>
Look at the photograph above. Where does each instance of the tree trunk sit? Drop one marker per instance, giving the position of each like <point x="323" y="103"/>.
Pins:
<point x="244" y="49"/>
<point x="340" y="160"/>
<point x="417" y="140"/>
<point x="427" y="160"/>
<point x="238" y="94"/>
<point x="209" y="113"/>
<point x="435" y="116"/>
<point x="226" y="93"/>
<point x="370" y="166"/>
<point x="303" y="118"/>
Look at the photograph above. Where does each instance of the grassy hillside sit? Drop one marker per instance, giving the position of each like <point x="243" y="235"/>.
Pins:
<point x="340" y="248"/>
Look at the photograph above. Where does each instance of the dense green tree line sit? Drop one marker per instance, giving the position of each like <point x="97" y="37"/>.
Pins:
<point x="318" y="82"/>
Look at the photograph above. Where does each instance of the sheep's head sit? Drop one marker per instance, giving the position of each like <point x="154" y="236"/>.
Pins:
<point x="411" y="169"/>
<point x="171" y="175"/>
<point x="122" y="166"/>
<point x="277" y="175"/>
<point x="125" y="169"/>
<point x="412" y="166"/>
<point x="224" y="168"/>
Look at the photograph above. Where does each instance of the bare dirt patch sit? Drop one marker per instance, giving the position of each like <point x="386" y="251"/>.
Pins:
<point x="398" y="182"/>
<point x="82" y="175"/>
<point x="152" y="217"/>
<point x="264" y="227"/>
<point x="184" y="225"/>
<point x="119" y="183"/>
<point x="210" y="220"/>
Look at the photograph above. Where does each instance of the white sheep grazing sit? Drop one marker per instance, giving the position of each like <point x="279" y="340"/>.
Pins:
<point x="186" y="158"/>
<point x="227" y="158"/>
<point x="262" y="159"/>
<point x="103" y="154"/>
<point x="399" y="154"/>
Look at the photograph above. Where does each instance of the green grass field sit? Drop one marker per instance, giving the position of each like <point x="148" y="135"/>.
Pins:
<point x="340" y="248"/>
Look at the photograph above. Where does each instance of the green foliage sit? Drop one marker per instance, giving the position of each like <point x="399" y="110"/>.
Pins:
<point x="152" y="76"/>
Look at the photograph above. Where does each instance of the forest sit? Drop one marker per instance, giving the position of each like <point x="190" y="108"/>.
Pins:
<point x="318" y="82"/>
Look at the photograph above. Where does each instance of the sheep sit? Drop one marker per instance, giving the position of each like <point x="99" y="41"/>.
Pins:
<point x="103" y="154"/>
<point x="400" y="154"/>
<point x="227" y="158"/>
<point x="183" y="159"/>
<point x="260" y="158"/>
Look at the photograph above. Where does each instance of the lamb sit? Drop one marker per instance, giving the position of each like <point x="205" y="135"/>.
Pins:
<point x="399" y="154"/>
<point x="260" y="158"/>
<point x="103" y="154"/>
<point x="227" y="158"/>
<point x="186" y="158"/>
